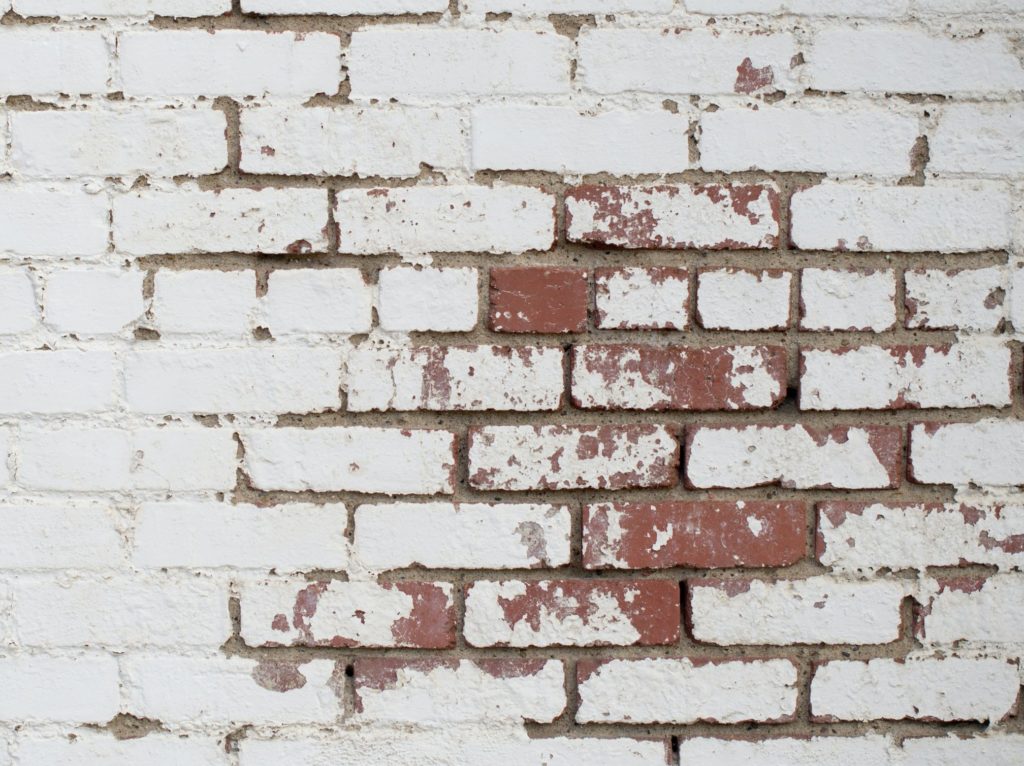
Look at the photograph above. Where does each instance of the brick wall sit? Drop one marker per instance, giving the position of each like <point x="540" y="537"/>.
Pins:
<point x="607" y="382"/>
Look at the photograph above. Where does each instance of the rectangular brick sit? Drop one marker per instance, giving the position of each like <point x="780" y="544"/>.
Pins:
<point x="909" y="60"/>
<point x="121" y="613"/>
<point x="546" y="7"/>
<point x="743" y="299"/>
<point x="355" y="459"/>
<point x="638" y="298"/>
<point x="345" y="614"/>
<point x="455" y="378"/>
<point x="128" y="141"/>
<point x="87" y="682"/>
<point x="824" y="140"/>
<point x="418" y="64"/>
<point x="405" y="300"/>
<point x="462" y="536"/>
<point x="822" y="751"/>
<point x="866" y="8"/>
<point x="868" y="536"/>
<point x="684" y="691"/>
<point x="186" y="220"/>
<point x="973" y="373"/>
<point x="994" y="749"/>
<point x="985" y="453"/>
<point x="677" y="61"/>
<point x="958" y="299"/>
<point x="638" y="377"/>
<point x="572" y="457"/>
<point x="950" y="689"/>
<point x="304" y="301"/>
<point x="794" y="456"/>
<point x="444" y="219"/>
<point x="343" y="7"/>
<point x="52" y="220"/>
<point x="710" y="217"/>
<point x="80" y="536"/>
<point x="818" y="610"/>
<point x="572" y="613"/>
<point x="436" y="692"/>
<point x="945" y="219"/>
<point x="209" y="535"/>
<point x="703" y="534"/>
<point x="219" y="303"/>
<point x="967" y="611"/>
<point x="390" y="142"/>
<point x="562" y="140"/>
<point x="94" y="301"/>
<point x="841" y="300"/>
<point x="958" y="147"/>
<point x="228" y="62"/>
<point x="119" y="8"/>
<point x="53" y="382"/>
<point x="43" y="61"/>
<point x="98" y="748"/>
<point x="538" y="299"/>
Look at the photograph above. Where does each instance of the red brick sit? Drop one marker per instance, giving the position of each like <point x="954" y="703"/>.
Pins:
<point x="676" y="378"/>
<point x="706" y="534"/>
<point x="538" y="299"/>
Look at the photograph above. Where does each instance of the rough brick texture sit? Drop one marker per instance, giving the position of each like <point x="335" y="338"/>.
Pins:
<point x="511" y="382"/>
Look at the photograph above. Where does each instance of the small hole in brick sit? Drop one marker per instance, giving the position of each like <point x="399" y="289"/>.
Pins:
<point x="350" y="670"/>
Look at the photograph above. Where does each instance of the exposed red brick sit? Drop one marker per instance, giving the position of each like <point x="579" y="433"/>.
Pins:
<point x="706" y="534"/>
<point x="538" y="300"/>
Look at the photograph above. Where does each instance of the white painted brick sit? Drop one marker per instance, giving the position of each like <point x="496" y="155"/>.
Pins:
<point x="459" y="691"/>
<point x="52" y="220"/>
<point x="336" y="613"/>
<point x="98" y="459"/>
<point x="978" y="139"/>
<point x="547" y="7"/>
<point x="562" y="140"/>
<point x="42" y="61"/>
<point x="455" y="378"/>
<point x="120" y="613"/>
<point x="127" y="141"/>
<point x="854" y="536"/>
<point x="153" y="222"/>
<point x="64" y="536"/>
<point x="462" y="536"/>
<point x="793" y="456"/>
<point x="635" y="298"/>
<point x="818" y="610"/>
<point x="102" y="749"/>
<point x="407" y="302"/>
<point x="961" y="299"/>
<point x="974" y="612"/>
<point x="228" y="62"/>
<point x="377" y="141"/>
<point x="233" y="380"/>
<point x="75" y="8"/>
<point x="571" y="457"/>
<point x="41" y="688"/>
<point x="423" y="219"/>
<point x="678" y="61"/>
<point x="317" y="301"/>
<point x="908" y="60"/>
<point x="841" y="143"/>
<point x="206" y="535"/>
<point x="415" y="63"/>
<point x="208" y="301"/>
<point x="184" y="459"/>
<point x="868" y="8"/>
<point x="951" y="750"/>
<point x="968" y="374"/>
<point x="970" y="6"/>
<point x="94" y="301"/>
<point x="400" y="747"/>
<point x="196" y="691"/>
<point x="686" y="691"/>
<point x="947" y="219"/>
<point x="950" y="689"/>
<point x="838" y="300"/>
<point x="356" y="459"/>
<point x="742" y="299"/>
<point x="19" y="311"/>
<point x="782" y="751"/>
<point x="711" y="217"/>
<point x="986" y="453"/>
<point x="51" y="382"/>
<point x="344" y="7"/>
<point x="1017" y="297"/>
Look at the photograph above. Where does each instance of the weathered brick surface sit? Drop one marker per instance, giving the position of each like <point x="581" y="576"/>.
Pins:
<point x="606" y="382"/>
